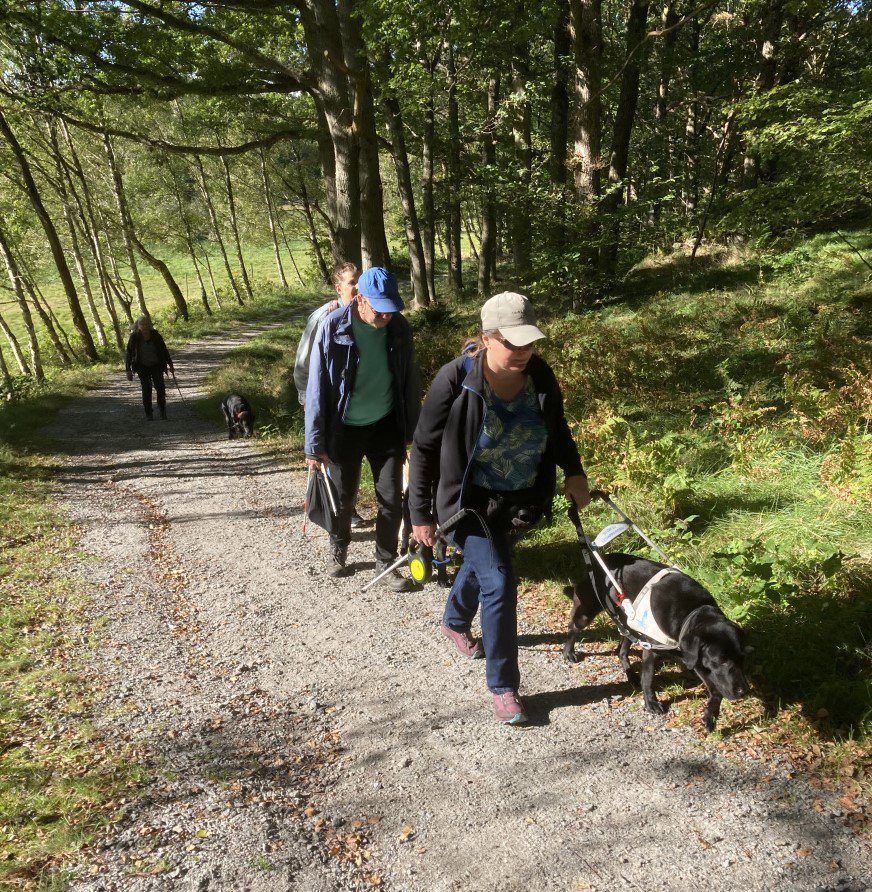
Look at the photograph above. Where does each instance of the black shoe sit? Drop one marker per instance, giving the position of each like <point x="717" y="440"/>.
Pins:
<point x="357" y="520"/>
<point x="394" y="580"/>
<point x="336" y="566"/>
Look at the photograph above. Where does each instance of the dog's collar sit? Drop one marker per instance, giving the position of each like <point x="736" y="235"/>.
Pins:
<point x="687" y="619"/>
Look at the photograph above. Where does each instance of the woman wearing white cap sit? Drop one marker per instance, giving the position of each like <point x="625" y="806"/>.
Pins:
<point x="492" y="432"/>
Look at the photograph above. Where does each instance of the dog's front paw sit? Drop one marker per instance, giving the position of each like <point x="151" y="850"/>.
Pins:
<point x="652" y="704"/>
<point x="709" y="720"/>
<point x="573" y="656"/>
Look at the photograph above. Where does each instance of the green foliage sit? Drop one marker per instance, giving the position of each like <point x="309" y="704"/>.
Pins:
<point x="762" y="573"/>
<point x="818" y="137"/>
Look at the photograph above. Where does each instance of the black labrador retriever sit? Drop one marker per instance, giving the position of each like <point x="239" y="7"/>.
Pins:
<point x="707" y="642"/>
<point x="238" y="415"/>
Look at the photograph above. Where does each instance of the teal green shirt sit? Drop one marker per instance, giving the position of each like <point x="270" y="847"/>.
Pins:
<point x="373" y="395"/>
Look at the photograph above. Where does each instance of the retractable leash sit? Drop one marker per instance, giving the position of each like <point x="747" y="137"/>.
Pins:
<point x="621" y="609"/>
<point x="417" y="563"/>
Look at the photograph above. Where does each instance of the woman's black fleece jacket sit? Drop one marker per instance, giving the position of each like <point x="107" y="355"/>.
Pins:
<point x="448" y="430"/>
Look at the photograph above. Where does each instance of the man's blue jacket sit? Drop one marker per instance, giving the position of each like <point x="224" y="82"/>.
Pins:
<point x="333" y="368"/>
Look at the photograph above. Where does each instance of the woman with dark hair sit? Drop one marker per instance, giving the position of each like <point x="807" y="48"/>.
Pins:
<point x="492" y="432"/>
<point x="147" y="355"/>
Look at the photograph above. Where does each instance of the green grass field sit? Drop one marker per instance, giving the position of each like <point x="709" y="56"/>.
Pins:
<point x="260" y="263"/>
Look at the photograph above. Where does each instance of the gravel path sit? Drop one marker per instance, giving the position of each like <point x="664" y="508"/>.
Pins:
<point x="308" y="736"/>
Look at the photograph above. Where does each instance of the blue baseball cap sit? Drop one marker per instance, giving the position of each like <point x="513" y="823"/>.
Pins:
<point x="379" y="287"/>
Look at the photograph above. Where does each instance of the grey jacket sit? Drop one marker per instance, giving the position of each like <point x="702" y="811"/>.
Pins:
<point x="304" y="348"/>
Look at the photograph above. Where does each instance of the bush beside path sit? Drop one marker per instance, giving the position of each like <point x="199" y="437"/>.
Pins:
<point x="304" y="735"/>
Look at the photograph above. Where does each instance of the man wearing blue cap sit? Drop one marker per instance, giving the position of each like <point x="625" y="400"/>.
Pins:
<point x="362" y="401"/>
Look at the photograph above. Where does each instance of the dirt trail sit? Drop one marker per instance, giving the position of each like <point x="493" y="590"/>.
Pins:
<point x="309" y="736"/>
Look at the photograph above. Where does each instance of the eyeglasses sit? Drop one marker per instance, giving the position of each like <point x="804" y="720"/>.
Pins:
<point x="508" y="345"/>
<point x="374" y="310"/>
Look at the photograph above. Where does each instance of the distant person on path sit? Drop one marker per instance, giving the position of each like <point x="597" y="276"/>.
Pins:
<point x="362" y="401"/>
<point x="147" y="355"/>
<point x="345" y="282"/>
<point x="492" y="433"/>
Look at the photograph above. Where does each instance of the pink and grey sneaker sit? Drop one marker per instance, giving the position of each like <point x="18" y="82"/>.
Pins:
<point x="509" y="709"/>
<point x="466" y="645"/>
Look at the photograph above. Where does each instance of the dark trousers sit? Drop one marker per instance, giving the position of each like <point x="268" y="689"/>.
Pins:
<point x="148" y="377"/>
<point x="486" y="580"/>
<point x="381" y="444"/>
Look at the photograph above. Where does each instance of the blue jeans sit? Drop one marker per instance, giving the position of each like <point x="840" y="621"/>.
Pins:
<point x="486" y="580"/>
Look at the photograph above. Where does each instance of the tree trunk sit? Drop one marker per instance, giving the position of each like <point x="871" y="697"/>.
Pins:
<point x="625" y="117"/>
<point x="472" y="235"/>
<point x="189" y="240"/>
<point x="662" y="139"/>
<point x="15" y="347"/>
<point x="47" y="315"/>
<point x="4" y="373"/>
<point x="560" y="98"/>
<point x="52" y="237"/>
<point x="234" y="226"/>
<point x="428" y="217"/>
<point x="27" y="319"/>
<point x="767" y="70"/>
<point x="290" y="254"/>
<point x="84" y="206"/>
<point x="320" y="22"/>
<point x="407" y="198"/>
<point x="124" y="222"/>
<point x="313" y="233"/>
<point x="374" y="243"/>
<point x="690" y="177"/>
<point x="453" y="231"/>
<point x="523" y="142"/>
<point x="271" y="218"/>
<point x="213" y="218"/>
<point x="559" y="134"/>
<point x="212" y="279"/>
<point x="159" y="265"/>
<point x="63" y="189"/>
<point x="327" y="160"/>
<point x="585" y="18"/>
<point x="63" y="357"/>
<point x="115" y="280"/>
<point x="721" y="166"/>
<point x="489" y="210"/>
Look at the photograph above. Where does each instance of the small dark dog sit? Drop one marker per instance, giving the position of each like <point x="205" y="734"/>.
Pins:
<point x="708" y="642"/>
<point x="239" y="417"/>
